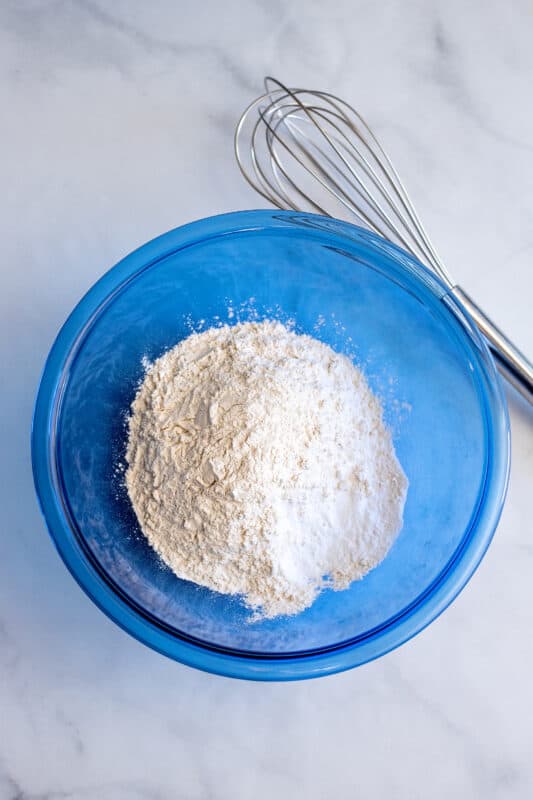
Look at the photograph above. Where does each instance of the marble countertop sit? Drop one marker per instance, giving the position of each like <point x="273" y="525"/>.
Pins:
<point x="117" y="125"/>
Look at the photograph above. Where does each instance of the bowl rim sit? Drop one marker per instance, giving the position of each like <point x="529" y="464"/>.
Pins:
<point x="233" y="663"/>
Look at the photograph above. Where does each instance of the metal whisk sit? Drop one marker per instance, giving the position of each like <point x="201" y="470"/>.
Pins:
<point x="311" y="151"/>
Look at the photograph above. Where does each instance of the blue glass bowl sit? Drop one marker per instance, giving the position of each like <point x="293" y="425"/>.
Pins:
<point x="442" y="399"/>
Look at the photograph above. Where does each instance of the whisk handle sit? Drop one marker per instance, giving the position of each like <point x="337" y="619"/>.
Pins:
<point x="511" y="363"/>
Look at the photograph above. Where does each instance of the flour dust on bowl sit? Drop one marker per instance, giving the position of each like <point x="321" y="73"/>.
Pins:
<point x="359" y="295"/>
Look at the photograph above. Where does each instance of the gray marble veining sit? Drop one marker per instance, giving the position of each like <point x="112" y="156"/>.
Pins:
<point x="117" y="124"/>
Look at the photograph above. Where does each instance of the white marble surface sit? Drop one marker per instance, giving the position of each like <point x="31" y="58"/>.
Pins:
<point x="116" y="125"/>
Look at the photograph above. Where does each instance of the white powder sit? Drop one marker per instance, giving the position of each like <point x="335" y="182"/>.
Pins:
<point x="259" y="465"/>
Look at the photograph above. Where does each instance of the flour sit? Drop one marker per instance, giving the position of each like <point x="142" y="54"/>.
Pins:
<point x="259" y="465"/>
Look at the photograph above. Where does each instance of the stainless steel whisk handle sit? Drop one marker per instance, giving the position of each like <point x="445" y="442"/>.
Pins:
<point x="511" y="363"/>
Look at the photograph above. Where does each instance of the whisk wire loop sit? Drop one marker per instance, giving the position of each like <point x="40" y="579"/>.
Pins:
<point x="309" y="150"/>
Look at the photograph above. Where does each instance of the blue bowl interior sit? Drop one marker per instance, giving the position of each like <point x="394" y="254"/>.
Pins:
<point x="361" y="297"/>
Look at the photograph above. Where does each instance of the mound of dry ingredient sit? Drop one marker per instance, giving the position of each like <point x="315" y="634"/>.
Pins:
<point x="259" y="465"/>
